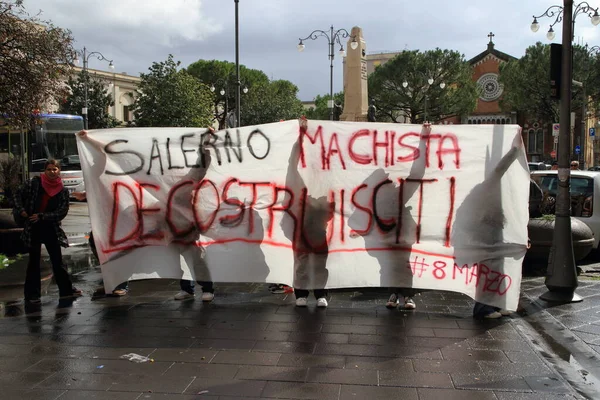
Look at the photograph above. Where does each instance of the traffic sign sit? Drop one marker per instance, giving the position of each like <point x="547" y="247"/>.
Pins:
<point x="592" y="131"/>
<point x="577" y="149"/>
<point x="555" y="129"/>
<point x="553" y="154"/>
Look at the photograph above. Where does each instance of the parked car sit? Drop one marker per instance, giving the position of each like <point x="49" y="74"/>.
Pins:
<point x="596" y="168"/>
<point x="585" y="196"/>
<point x="537" y="166"/>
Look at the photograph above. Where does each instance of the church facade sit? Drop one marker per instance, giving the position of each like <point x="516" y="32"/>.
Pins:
<point x="486" y="71"/>
<point x="537" y="135"/>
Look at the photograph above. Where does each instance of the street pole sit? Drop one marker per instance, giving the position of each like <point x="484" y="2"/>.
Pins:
<point x="583" y="128"/>
<point x="561" y="279"/>
<point x="333" y="37"/>
<point x="238" y="82"/>
<point x="86" y="56"/>
<point x="429" y="80"/>
<point x="226" y="107"/>
<point x="331" y="103"/>
<point x="84" y="111"/>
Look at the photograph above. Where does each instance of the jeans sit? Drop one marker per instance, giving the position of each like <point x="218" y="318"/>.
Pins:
<point x="44" y="233"/>
<point x="190" y="286"/>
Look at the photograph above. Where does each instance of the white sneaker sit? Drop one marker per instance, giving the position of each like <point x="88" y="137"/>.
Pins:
<point x="183" y="295"/>
<point x="409" y="303"/>
<point x="301" y="302"/>
<point x="322" y="302"/>
<point x="392" y="301"/>
<point x="207" y="296"/>
<point x="494" y="315"/>
<point x="505" y="313"/>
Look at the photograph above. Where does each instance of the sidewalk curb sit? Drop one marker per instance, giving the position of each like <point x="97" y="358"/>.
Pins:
<point x="574" y="360"/>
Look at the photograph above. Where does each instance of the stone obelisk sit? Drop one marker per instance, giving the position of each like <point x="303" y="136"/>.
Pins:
<point x="356" y="98"/>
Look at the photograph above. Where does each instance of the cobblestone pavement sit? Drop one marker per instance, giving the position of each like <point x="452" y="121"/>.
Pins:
<point x="251" y="344"/>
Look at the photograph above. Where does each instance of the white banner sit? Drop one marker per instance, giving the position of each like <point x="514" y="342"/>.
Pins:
<point x="333" y="205"/>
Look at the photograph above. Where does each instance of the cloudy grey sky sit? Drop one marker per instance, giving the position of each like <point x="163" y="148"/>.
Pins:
<point x="137" y="32"/>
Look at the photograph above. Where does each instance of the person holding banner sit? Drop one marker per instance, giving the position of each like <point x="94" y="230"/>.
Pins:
<point x="309" y="237"/>
<point x="43" y="202"/>
<point x="480" y="221"/>
<point x="123" y="288"/>
<point x="396" y="233"/>
<point x="194" y="254"/>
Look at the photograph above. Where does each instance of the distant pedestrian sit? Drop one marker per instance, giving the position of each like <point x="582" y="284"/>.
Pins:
<point x="554" y="166"/>
<point x="43" y="202"/>
<point x="575" y="165"/>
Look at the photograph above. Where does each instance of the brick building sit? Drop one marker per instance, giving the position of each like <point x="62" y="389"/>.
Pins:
<point x="486" y="69"/>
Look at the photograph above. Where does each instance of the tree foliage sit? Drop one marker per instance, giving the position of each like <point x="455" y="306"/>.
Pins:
<point x="35" y="56"/>
<point x="527" y="82"/>
<point x="271" y="102"/>
<point x="320" y="111"/>
<point x="221" y="76"/>
<point x="171" y="97"/>
<point x="98" y="101"/>
<point x="395" y="102"/>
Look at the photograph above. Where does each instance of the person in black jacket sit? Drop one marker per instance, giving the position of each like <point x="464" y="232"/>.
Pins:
<point x="43" y="202"/>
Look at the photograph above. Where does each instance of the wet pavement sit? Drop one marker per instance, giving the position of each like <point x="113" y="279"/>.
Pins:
<point x="77" y="224"/>
<point x="251" y="344"/>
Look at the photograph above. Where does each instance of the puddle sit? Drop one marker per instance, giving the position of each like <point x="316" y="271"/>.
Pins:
<point x="559" y="347"/>
<point x="79" y="260"/>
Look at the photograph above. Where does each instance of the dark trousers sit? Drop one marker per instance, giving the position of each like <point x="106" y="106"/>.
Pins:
<point x="304" y="293"/>
<point x="92" y="243"/>
<point x="45" y="234"/>
<point x="480" y="310"/>
<point x="190" y="286"/>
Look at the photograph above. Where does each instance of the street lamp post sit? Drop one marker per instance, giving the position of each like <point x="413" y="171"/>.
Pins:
<point x="561" y="278"/>
<point x="333" y="37"/>
<point x="238" y="83"/>
<point x="430" y="81"/>
<point x="85" y="57"/>
<point x="224" y="91"/>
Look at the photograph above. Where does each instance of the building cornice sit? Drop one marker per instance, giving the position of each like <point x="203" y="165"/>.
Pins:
<point x="112" y="76"/>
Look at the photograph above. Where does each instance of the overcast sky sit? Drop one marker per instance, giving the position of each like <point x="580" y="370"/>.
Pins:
<point x="134" y="33"/>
